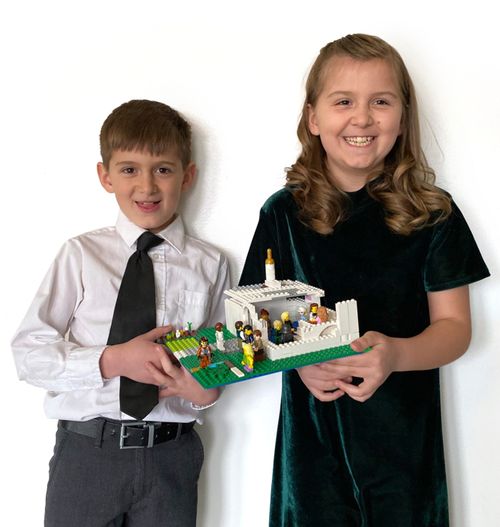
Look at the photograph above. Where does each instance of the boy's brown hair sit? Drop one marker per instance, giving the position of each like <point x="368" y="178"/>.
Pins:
<point x="145" y="125"/>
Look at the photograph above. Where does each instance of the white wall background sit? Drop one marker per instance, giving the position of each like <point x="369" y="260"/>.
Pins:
<point x="236" y="70"/>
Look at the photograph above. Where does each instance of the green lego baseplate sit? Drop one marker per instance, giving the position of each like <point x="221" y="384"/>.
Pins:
<point x="226" y="366"/>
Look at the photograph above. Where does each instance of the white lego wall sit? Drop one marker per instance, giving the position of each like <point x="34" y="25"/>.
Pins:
<point x="236" y="70"/>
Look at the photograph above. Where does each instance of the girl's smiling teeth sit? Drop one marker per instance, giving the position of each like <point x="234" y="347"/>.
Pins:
<point x="359" y="140"/>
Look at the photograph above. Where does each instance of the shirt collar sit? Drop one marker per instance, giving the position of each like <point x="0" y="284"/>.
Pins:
<point x="173" y="234"/>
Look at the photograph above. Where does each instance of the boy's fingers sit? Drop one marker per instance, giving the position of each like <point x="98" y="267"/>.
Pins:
<point x="156" y="333"/>
<point x="154" y="371"/>
<point x="167" y="364"/>
<point x="160" y="377"/>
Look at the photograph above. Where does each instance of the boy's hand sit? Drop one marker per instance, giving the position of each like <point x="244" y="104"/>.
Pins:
<point x="128" y="359"/>
<point x="173" y="380"/>
<point x="373" y="367"/>
<point x="322" y="382"/>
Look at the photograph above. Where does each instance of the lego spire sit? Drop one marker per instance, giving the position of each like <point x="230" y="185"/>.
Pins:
<point x="270" y="271"/>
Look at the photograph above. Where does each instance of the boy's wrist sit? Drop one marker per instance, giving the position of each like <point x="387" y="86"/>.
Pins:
<point x="108" y="362"/>
<point x="207" y="399"/>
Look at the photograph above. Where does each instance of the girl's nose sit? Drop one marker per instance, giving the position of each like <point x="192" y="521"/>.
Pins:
<point x="362" y="116"/>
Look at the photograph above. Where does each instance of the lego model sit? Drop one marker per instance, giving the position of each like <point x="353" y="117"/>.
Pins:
<point x="282" y="300"/>
<point x="303" y="332"/>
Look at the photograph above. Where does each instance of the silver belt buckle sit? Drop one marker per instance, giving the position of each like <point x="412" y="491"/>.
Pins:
<point x="150" y="427"/>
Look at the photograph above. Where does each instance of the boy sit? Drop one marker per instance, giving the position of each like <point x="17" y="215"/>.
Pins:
<point x="126" y="451"/>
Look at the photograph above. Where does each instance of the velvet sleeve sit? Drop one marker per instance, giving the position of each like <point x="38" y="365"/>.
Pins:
<point x="453" y="258"/>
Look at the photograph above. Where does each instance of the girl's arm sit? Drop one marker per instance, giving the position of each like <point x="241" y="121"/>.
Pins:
<point x="444" y="340"/>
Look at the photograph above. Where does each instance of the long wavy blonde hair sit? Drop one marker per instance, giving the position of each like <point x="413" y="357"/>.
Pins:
<point x="404" y="186"/>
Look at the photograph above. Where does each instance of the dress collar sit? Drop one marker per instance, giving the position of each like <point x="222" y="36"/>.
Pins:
<point x="174" y="234"/>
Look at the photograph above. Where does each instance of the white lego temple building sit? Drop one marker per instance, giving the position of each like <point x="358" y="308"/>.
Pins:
<point x="276" y="296"/>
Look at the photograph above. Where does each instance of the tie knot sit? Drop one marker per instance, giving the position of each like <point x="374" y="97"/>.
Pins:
<point x="147" y="240"/>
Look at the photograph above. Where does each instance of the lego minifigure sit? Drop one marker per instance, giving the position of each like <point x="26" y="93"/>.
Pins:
<point x="248" y="334"/>
<point x="313" y="313"/>
<point x="301" y="311"/>
<point x="286" y="328"/>
<point x="258" y="346"/>
<point x="248" y="357"/>
<point x="204" y="352"/>
<point x="264" y="315"/>
<point x="276" y="331"/>
<point x="219" y="336"/>
<point x="322" y="314"/>
<point x="264" y="319"/>
<point x="238" y="327"/>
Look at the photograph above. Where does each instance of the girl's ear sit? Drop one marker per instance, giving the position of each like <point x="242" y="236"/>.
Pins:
<point x="189" y="176"/>
<point x="104" y="178"/>
<point x="312" y="121"/>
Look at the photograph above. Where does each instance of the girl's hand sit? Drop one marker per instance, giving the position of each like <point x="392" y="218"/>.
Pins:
<point x="321" y="383"/>
<point x="173" y="379"/>
<point x="443" y="341"/>
<point x="373" y="366"/>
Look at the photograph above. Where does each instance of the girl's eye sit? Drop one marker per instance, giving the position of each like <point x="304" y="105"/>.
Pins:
<point x="343" y="102"/>
<point x="380" y="102"/>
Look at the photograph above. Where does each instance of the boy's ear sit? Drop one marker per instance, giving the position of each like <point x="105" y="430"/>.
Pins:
<point x="189" y="176"/>
<point x="311" y="120"/>
<point x="104" y="178"/>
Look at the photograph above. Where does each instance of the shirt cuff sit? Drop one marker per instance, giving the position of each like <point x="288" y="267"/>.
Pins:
<point x="199" y="407"/>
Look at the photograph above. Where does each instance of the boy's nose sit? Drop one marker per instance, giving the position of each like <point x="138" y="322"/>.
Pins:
<point x="148" y="184"/>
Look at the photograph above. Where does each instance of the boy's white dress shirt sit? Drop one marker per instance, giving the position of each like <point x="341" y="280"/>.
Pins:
<point x="62" y="337"/>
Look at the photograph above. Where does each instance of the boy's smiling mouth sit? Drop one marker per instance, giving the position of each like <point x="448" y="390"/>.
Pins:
<point x="147" y="206"/>
<point x="359" y="140"/>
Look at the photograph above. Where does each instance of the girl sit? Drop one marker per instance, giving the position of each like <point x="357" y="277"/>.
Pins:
<point x="360" y="218"/>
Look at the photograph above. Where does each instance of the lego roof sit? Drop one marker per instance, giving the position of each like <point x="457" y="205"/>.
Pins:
<point x="263" y="292"/>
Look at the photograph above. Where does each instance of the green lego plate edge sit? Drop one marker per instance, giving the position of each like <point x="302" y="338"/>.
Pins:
<point x="220" y="374"/>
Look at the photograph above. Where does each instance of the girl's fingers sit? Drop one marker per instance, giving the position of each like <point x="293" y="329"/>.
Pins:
<point x="324" y="395"/>
<point x="359" y="393"/>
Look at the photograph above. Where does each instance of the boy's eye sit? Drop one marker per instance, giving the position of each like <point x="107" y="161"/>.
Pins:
<point x="164" y="170"/>
<point x="128" y="170"/>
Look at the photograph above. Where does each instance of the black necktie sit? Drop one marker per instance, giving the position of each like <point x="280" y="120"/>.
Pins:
<point x="135" y="314"/>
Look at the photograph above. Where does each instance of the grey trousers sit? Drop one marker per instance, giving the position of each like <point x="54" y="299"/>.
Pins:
<point x="103" y="486"/>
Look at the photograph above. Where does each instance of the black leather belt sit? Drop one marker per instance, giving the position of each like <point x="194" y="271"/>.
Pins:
<point x="128" y="434"/>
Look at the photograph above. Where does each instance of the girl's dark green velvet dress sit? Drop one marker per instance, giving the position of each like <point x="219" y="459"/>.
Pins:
<point x="378" y="463"/>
